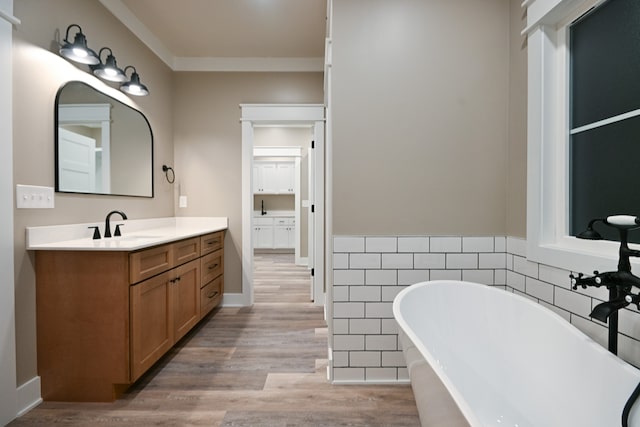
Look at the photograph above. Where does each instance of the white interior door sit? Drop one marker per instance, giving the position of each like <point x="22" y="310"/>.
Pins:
<point x="76" y="162"/>
<point x="311" y="217"/>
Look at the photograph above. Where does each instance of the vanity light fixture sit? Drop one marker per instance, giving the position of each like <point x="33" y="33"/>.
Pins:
<point x="78" y="51"/>
<point x="109" y="70"/>
<point x="133" y="86"/>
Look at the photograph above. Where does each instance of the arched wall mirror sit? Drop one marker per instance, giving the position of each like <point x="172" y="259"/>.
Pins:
<point x="102" y="145"/>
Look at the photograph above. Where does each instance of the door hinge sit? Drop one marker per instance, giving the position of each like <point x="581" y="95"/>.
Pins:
<point x="313" y="208"/>
<point x="313" y="144"/>
<point x="313" y="272"/>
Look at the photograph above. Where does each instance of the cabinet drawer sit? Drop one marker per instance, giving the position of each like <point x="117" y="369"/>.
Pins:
<point x="262" y="221"/>
<point x="186" y="250"/>
<point x="211" y="295"/>
<point x="284" y="220"/>
<point x="212" y="266"/>
<point x="149" y="262"/>
<point x="211" y="242"/>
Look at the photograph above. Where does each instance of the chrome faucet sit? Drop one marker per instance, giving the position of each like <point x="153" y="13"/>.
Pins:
<point x="107" y="223"/>
<point x="620" y="283"/>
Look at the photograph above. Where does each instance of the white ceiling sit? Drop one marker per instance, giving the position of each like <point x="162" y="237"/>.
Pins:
<point x="229" y="35"/>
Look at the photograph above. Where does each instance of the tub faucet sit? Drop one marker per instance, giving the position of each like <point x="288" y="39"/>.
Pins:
<point x="603" y="310"/>
<point x="107" y="223"/>
<point x="620" y="283"/>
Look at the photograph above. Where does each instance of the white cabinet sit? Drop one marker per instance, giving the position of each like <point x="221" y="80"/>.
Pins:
<point x="284" y="232"/>
<point x="265" y="178"/>
<point x="274" y="233"/>
<point x="273" y="177"/>
<point x="285" y="178"/>
<point x="263" y="233"/>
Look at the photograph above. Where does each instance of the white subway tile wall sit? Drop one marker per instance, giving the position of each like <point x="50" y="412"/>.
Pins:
<point x="369" y="271"/>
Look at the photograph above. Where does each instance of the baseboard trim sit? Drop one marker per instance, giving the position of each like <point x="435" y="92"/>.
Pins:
<point x="372" y="382"/>
<point x="235" y="300"/>
<point x="28" y="396"/>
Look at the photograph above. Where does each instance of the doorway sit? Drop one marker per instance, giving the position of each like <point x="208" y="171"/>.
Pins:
<point x="311" y="115"/>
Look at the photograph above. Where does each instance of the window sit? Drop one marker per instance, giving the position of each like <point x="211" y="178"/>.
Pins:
<point x="560" y="147"/>
<point x="604" y="141"/>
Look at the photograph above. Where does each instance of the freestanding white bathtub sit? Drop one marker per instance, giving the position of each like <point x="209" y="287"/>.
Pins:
<point x="506" y="361"/>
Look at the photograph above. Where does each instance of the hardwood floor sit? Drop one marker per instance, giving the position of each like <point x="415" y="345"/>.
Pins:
<point x="256" y="366"/>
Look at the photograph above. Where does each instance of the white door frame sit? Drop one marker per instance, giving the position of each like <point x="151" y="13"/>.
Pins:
<point x="279" y="114"/>
<point x="10" y="404"/>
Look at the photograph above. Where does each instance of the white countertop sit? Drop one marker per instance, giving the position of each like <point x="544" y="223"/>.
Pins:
<point x="272" y="214"/>
<point x="136" y="234"/>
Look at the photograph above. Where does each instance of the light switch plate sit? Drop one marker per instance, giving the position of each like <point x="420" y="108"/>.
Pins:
<point x="182" y="201"/>
<point x="34" y="197"/>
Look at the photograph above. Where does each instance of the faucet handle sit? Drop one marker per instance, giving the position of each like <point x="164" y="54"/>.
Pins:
<point x="575" y="279"/>
<point x="633" y="299"/>
<point x="580" y="280"/>
<point x="117" y="232"/>
<point x="96" y="232"/>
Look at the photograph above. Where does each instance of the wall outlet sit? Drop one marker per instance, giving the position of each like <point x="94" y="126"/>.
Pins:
<point x="182" y="201"/>
<point x="34" y="197"/>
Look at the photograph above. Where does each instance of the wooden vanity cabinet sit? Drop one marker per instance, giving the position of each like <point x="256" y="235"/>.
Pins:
<point x="104" y="318"/>
<point x="163" y="309"/>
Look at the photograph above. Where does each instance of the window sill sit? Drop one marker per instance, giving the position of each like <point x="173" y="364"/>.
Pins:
<point x="578" y="255"/>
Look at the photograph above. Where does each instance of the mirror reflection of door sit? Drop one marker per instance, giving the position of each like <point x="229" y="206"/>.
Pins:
<point x="92" y="121"/>
<point x="77" y="164"/>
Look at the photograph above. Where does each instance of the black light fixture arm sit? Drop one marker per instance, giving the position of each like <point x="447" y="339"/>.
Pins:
<point x="103" y="49"/>
<point x="66" y="35"/>
<point x="130" y="67"/>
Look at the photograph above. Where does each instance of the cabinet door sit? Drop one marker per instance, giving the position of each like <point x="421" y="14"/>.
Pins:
<point x="286" y="178"/>
<point x="281" y="236"/>
<point x="284" y="237"/>
<point x="291" y="235"/>
<point x="151" y="322"/>
<point x="263" y="237"/>
<point x="265" y="180"/>
<point x="186" y="297"/>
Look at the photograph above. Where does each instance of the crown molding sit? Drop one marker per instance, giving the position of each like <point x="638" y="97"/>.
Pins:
<point x="122" y="13"/>
<point x="249" y="64"/>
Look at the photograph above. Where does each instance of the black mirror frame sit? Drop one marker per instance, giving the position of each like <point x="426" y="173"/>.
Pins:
<point x="56" y="155"/>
